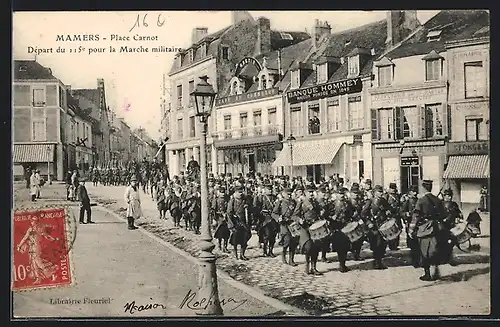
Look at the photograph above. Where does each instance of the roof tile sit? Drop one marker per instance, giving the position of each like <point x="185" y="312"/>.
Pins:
<point x="31" y="69"/>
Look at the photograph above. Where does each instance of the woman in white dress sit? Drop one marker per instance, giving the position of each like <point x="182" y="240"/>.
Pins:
<point x="133" y="201"/>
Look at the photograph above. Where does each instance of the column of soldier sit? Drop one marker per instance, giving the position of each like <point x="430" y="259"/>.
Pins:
<point x="312" y="219"/>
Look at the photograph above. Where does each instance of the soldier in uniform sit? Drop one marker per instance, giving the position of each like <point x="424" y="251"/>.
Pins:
<point x="282" y="212"/>
<point x="357" y="205"/>
<point x="237" y="211"/>
<point x="324" y="214"/>
<point x="343" y="213"/>
<point x="268" y="227"/>
<point x="307" y="213"/>
<point x="175" y="204"/>
<point x="219" y="213"/>
<point x="375" y="212"/>
<point x="453" y="216"/>
<point x="428" y="216"/>
<point x="407" y="208"/>
<point x="393" y="199"/>
<point x="194" y="209"/>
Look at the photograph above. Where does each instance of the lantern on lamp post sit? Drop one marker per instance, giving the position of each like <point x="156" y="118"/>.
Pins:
<point x="290" y="141"/>
<point x="203" y="97"/>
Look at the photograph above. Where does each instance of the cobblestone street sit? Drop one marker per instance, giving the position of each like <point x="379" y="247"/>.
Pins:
<point x="396" y="291"/>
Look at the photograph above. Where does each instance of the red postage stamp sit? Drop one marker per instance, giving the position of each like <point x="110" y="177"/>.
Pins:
<point x="41" y="249"/>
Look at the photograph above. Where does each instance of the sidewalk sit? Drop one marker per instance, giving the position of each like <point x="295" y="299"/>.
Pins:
<point x="111" y="262"/>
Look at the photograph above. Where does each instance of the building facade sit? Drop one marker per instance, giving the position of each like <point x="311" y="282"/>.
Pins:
<point x="410" y="113"/>
<point x="468" y="168"/>
<point x="39" y="113"/>
<point x="328" y="100"/>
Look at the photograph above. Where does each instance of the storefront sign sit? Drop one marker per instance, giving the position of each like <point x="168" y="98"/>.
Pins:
<point x="409" y="97"/>
<point x="476" y="147"/>
<point x="246" y="97"/>
<point x="246" y="61"/>
<point x="409" y="161"/>
<point x="481" y="105"/>
<point x="348" y="86"/>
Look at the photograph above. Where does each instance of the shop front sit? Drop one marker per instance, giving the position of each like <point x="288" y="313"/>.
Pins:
<point x="468" y="171"/>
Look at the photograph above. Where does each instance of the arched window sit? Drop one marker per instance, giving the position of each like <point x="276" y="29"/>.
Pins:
<point x="264" y="82"/>
<point x="234" y="88"/>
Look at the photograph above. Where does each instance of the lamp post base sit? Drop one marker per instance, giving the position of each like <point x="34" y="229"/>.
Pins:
<point x="208" y="295"/>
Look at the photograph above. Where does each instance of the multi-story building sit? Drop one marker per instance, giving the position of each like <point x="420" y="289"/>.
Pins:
<point x="468" y="56"/>
<point x="96" y="100"/>
<point x="124" y="141"/>
<point x="216" y="56"/>
<point x="327" y="102"/>
<point x="39" y="114"/>
<point x="115" y="136"/>
<point x="410" y="115"/>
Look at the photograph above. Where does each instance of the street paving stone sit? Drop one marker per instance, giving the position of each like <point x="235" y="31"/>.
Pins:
<point x="350" y="291"/>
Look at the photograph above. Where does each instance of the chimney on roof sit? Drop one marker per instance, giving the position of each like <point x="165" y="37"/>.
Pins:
<point x="263" y="43"/>
<point x="239" y="16"/>
<point x="400" y="24"/>
<point x="319" y="29"/>
<point x="198" y="34"/>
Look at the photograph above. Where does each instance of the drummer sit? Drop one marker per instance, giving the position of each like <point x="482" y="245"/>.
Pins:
<point x="282" y="212"/>
<point x="343" y="213"/>
<point x="357" y="203"/>
<point x="326" y="207"/>
<point x="407" y="208"/>
<point x="394" y="200"/>
<point x="453" y="216"/>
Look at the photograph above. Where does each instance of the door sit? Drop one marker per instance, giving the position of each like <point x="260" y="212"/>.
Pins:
<point x="251" y="162"/>
<point x="409" y="176"/>
<point x="317" y="173"/>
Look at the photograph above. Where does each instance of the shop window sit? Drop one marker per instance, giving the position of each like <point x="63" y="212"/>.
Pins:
<point x="475" y="80"/>
<point x="385" y="75"/>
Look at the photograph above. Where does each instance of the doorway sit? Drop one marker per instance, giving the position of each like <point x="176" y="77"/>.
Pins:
<point x="315" y="172"/>
<point x="251" y="162"/>
<point x="410" y="175"/>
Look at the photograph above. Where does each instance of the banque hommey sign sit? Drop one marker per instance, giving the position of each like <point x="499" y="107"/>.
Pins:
<point x="348" y="86"/>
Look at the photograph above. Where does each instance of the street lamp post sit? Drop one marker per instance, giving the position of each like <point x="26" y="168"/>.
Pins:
<point x="48" y="165"/>
<point x="208" y="293"/>
<point x="290" y="140"/>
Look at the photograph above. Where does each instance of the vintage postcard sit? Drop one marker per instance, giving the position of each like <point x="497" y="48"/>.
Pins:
<point x="251" y="164"/>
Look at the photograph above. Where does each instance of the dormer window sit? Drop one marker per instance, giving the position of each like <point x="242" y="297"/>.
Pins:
<point x="22" y="68"/>
<point x="286" y="36"/>
<point x="263" y="82"/>
<point x="322" y="73"/>
<point x="203" y="50"/>
<point x="225" y="52"/>
<point x="295" y="79"/>
<point x="433" y="66"/>
<point x="385" y="71"/>
<point x="353" y="65"/>
<point x="347" y="42"/>
<point x="434" y="35"/>
<point x="236" y="86"/>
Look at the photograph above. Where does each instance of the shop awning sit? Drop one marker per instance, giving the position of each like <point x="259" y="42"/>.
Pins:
<point x="320" y="152"/>
<point x="246" y="142"/>
<point x="33" y="153"/>
<point x="477" y="166"/>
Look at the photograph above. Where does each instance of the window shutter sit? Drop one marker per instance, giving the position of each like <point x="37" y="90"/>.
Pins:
<point x="429" y="122"/>
<point x="422" y="121"/>
<point x="375" y="121"/>
<point x="445" y="122"/>
<point x="398" y="123"/>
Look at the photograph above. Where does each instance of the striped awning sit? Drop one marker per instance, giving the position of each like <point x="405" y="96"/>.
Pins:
<point x="318" y="152"/>
<point x="246" y="142"/>
<point x="477" y="166"/>
<point x="33" y="153"/>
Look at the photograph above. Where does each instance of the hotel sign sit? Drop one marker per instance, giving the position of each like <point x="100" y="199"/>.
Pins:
<point x="246" y="97"/>
<point x="464" y="148"/>
<point x="348" y="86"/>
<point x="244" y="62"/>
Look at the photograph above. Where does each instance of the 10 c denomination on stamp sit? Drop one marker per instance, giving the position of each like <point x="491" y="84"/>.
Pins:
<point x="41" y="256"/>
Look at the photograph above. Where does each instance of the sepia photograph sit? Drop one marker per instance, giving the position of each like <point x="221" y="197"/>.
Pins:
<point x="257" y="164"/>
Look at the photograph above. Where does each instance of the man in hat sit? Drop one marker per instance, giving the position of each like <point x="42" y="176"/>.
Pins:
<point x="343" y="212"/>
<point x="453" y="216"/>
<point x="282" y="212"/>
<point x="133" y="201"/>
<point x="267" y="227"/>
<point x="219" y="207"/>
<point x="324" y="214"/>
<point x="375" y="214"/>
<point x="367" y="189"/>
<point x="407" y="208"/>
<point x="393" y="198"/>
<point x="357" y="205"/>
<point x="175" y="203"/>
<point x="429" y="214"/>
<point x="237" y="211"/>
<point x="83" y="197"/>
<point x="307" y="213"/>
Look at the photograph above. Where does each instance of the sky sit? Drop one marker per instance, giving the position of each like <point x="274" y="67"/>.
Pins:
<point x="133" y="81"/>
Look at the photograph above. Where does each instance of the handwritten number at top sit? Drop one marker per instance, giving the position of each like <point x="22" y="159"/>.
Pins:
<point x="159" y="21"/>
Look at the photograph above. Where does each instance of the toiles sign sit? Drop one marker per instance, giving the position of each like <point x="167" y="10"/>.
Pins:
<point x="246" y="61"/>
<point x="348" y="86"/>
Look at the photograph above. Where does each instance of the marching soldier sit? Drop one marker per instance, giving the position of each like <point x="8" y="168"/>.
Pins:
<point x="453" y="216"/>
<point x="219" y="210"/>
<point x="306" y="213"/>
<point x="357" y="204"/>
<point x="375" y="212"/>
<point x="393" y="199"/>
<point x="428" y="216"/>
<point x="175" y="203"/>
<point x="324" y="214"/>
<point x="407" y="208"/>
<point x="343" y="213"/>
<point x="267" y="227"/>
<point x="237" y="212"/>
<point x="282" y="212"/>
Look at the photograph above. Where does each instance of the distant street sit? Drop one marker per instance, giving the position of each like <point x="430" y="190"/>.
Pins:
<point x="110" y="261"/>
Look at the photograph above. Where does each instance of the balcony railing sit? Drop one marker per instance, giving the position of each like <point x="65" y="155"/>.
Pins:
<point x="250" y="132"/>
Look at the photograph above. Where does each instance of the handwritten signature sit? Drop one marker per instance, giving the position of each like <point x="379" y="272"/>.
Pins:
<point x="159" y="21"/>
<point x="201" y="304"/>
<point x="131" y="307"/>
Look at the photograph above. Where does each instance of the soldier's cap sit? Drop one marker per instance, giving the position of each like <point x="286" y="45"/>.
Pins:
<point x="299" y="188"/>
<point x="427" y="182"/>
<point x="341" y="180"/>
<point x="133" y="179"/>
<point x="239" y="188"/>
<point x="222" y="189"/>
<point x="378" y="188"/>
<point x="322" y="188"/>
<point x="287" y="190"/>
<point x="414" y="188"/>
<point x="268" y="186"/>
<point x="355" y="188"/>
<point x="343" y="190"/>
<point x="393" y="186"/>
<point x="311" y="187"/>
<point x="368" y="181"/>
<point x="448" y="192"/>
